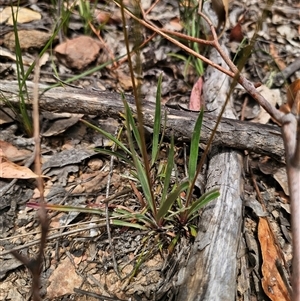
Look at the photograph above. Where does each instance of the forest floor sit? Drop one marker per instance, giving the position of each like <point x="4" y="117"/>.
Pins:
<point x="81" y="261"/>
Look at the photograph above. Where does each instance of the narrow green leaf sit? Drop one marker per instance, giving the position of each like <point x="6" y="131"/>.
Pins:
<point x="140" y="217"/>
<point x="108" y="136"/>
<point x="173" y="243"/>
<point x="141" y="172"/>
<point x="192" y="167"/>
<point x="128" y="224"/>
<point x="114" y="153"/>
<point x="132" y="125"/>
<point x="45" y="48"/>
<point x="157" y="120"/>
<point x="202" y="201"/>
<point x="177" y="56"/>
<point x="168" y="173"/>
<point x="163" y="210"/>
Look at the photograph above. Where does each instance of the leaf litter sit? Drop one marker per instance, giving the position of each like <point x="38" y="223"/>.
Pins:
<point x="90" y="256"/>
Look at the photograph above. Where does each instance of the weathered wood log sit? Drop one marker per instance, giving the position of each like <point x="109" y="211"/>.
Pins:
<point x="258" y="138"/>
<point x="211" y="270"/>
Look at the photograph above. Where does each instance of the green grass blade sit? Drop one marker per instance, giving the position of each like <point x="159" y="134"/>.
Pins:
<point x="163" y="210"/>
<point x="108" y="136"/>
<point x="141" y="172"/>
<point x="192" y="167"/>
<point x="202" y="201"/>
<point x="131" y="124"/>
<point x="157" y="120"/>
<point x="140" y="217"/>
<point x="173" y="243"/>
<point x="114" y="153"/>
<point x="128" y="224"/>
<point x="25" y="119"/>
<point x="45" y="48"/>
<point x="168" y="173"/>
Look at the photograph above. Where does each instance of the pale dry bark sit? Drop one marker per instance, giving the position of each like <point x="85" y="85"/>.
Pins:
<point x="212" y="268"/>
<point x="211" y="271"/>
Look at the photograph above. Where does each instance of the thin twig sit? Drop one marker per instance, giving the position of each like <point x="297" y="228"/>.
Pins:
<point x="108" y="219"/>
<point x="53" y="236"/>
<point x="34" y="265"/>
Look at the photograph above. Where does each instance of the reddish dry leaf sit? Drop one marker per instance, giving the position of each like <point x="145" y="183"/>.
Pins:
<point x="79" y="52"/>
<point x="236" y="33"/>
<point x="103" y="17"/>
<point x="196" y="103"/>
<point x="272" y="282"/>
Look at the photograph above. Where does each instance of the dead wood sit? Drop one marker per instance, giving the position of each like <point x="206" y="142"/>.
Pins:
<point x="211" y="271"/>
<point x="258" y="138"/>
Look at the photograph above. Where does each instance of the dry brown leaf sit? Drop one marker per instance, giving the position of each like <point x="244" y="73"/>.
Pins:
<point x="272" y="282"/>
<point x="78" y="52"/>
<point x="293" y="97"/>
<point x="28" y="39"/>
<point x="63" y="280"/>
<point x="280" y="176"/>
<point x="12" y="153"/>
<point x="273" y="96"/>
<point x="10" y="170"/>
<point x="221" y="9"/>
<point x="279" y="62"/>
<point x="236" y="33"/>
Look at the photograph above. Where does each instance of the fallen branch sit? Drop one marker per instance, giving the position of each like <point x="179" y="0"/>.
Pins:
<point x="258" y="138"/>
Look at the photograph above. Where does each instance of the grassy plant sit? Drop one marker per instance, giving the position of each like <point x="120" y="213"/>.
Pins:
<point x="86" y="15"/>
<point x="166" y="207"/>
<point x="192" y="25"/>
<point x="21" y="114"/>
<point x="169" y="203"/>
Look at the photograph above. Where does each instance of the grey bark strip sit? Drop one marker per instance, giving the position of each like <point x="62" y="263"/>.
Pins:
<point x="211" y="271"/>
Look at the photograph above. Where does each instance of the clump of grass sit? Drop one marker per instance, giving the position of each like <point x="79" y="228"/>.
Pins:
<point x="193" y="27"/>
<point x="21" y="114"/>
<point x="167" y="207"/>
<point x="167" y="203"/>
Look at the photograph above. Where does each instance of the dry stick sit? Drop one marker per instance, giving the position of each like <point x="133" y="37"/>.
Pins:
<point x="180" y="45"/>
<point x="290" y="132"/>
<point x="108" y="222"/>
<point x="250" y="88"/>
<point x="34" y="265"/>
<point x="50" y="237"/>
